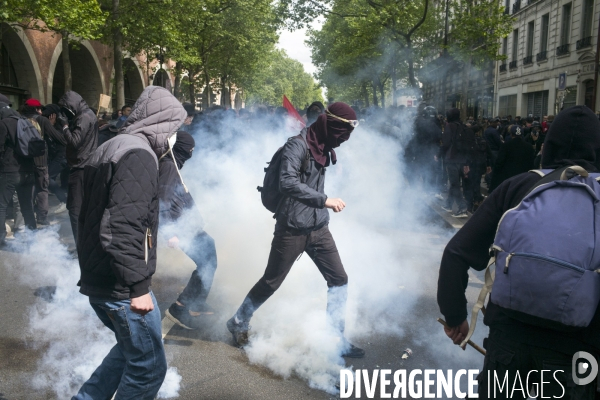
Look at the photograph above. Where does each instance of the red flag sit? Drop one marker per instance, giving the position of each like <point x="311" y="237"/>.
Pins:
<point x="292" y="111"/>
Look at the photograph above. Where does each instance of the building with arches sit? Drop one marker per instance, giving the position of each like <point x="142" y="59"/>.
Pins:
<point x="31" y="66"/>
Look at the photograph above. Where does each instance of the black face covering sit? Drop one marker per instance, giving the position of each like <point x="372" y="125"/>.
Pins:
<point x="182" y="150"/>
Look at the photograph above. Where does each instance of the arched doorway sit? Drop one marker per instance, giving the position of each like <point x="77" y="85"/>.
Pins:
<point x="86" y="79"/>
<point x="134" y="86"/>
<point x="19" y="76"/>
<point x="589" y="93"/>
<point x="161" y="78"/>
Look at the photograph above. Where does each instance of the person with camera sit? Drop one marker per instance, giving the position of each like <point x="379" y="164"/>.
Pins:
<point x="80" y="129"/>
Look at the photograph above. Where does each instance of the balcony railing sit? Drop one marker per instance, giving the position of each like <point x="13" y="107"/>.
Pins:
<point x="528" y="60"/>
<point x="541" y="56"/>
<point x="529" y="2"/>
<point x="583" y="43"/>
<point x="502" y="67"/>
<point x="512" y="65"/>
<point x="516" y="6"/>
<point x="562" y="50"/>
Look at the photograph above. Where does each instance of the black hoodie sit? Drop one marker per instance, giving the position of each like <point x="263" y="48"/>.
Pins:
<point x="82" y="134"/>
<point x="574" y="139"/>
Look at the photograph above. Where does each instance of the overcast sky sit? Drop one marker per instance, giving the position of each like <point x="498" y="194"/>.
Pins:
<point x="293" y="44"/>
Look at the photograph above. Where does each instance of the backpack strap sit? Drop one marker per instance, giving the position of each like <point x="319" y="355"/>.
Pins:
<point x="485" y="290"/>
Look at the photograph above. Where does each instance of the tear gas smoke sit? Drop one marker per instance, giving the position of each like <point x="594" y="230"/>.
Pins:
<point x="382" y="236"/>
<point x="61" y="321"/>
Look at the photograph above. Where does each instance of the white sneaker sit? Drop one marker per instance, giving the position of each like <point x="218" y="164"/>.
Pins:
<point x="61" y="208"/>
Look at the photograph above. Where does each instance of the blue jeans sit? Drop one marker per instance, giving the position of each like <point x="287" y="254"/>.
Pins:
<point x="136" y="366"/>
<point x="204" y="254"/>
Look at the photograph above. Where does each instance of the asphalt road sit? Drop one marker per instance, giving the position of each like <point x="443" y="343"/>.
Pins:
<point x="210" y="366"/>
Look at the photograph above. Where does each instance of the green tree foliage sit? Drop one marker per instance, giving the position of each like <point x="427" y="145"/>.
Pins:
<point x="280" y="75"/>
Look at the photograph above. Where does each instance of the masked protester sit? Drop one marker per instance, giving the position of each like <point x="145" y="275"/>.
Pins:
<point x="517" y="345"/>
<point x="80" y="129"/>
<point x="177" y="204"/>
<point x="302" y="222"/>
<point x="117" y="248"/>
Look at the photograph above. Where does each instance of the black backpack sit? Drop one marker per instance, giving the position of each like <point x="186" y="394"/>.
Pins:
<point x="270" y="195"/>
<point x="464" y="140"/>
<point x="29" y="142"/>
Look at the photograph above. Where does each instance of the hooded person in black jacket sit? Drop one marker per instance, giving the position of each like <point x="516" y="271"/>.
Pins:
<point x="302" y="222"/>
<point x="515" y="157"/>
<point x="117" y="249"/>
<point x="175" y="203"/>
<point x="80" y="128"/>
<point x="513" y="345"/>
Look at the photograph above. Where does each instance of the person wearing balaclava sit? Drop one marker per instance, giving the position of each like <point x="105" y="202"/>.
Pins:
<point x="178" y="224"/>
<point x="516" y="346"/>
<point x="303" y="222"/>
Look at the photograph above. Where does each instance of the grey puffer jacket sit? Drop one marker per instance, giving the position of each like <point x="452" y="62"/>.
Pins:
<point x="118" y="222"/>
<point x="303" y="209"/>
<point x="82" y="133"/>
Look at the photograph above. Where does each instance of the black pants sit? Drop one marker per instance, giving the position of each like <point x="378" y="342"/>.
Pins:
<point x="455" y="173"/>
<point x="203" y="252"/>
<point x="23" y="183"/>
<point x="505" y="357"/>
<point x="58" y="173"/>
<point x="75" y="197"/>
<point x="42" y="182"/>
<point x="285" y="250"/>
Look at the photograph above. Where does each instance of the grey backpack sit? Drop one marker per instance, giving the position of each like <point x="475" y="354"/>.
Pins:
<point x="547" y="253"/>
<point x="29" y="140"/>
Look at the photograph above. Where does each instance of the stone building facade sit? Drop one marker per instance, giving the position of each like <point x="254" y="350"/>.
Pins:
<point x="552" y="41"/>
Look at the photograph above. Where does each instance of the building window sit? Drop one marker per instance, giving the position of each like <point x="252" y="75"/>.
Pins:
<point x="530" y="31"/>
<point x="565" y="33"/>
<point x="587" y="18"/>
<point x="508" y="105"/>
<point x="544" y="33"/>
<point x="537" y="103"/>
<point x="515" y="45"/>
<point x="505" y="46"/>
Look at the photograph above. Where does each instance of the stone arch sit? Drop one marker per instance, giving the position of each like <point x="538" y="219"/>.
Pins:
<point x="23" y="64"/>
<point x="162" y="78"/>
<point x="134" y="81"/>
<point x="87" y="76"/>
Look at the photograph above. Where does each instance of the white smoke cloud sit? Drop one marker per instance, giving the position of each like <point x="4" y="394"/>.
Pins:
<point x="64" y="325"/>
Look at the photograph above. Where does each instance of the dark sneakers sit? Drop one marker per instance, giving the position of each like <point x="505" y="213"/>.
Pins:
<point x="181" y="316"/>
<point x="351" y="351"/>
<point x="238" y="331"/>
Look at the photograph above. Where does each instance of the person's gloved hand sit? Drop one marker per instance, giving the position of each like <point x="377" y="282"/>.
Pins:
<point x="62" y="118"/>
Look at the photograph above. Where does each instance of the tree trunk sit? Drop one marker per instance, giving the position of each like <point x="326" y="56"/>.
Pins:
<point x="118" y="59"/>
<point x="225" y="99"/>
<point x="207" y="92"/>
<point x="465" y="90"/>
<point x="66" y="58"/>
<point x="192" y="90"/>
<point x="177" y="87"/>
<point x="381" y="92"/>
<point x="411" y="64"/>
<point x="394" y="98"/>
<point x="375" y="102"/>
<point x="365" y="94"/>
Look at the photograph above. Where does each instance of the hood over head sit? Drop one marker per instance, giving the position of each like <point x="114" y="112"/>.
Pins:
<point x="329" y="132"/>
<point x="4" y="99"/>
<point x="74" y="102"/>
<point x="155" y="116"/>
<point x="182" y="150"/>
<point x="6" y="111"/>
<point x="453" y="115"/>
<point x="573" y="139"/>
<point x="50" y="109"/>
